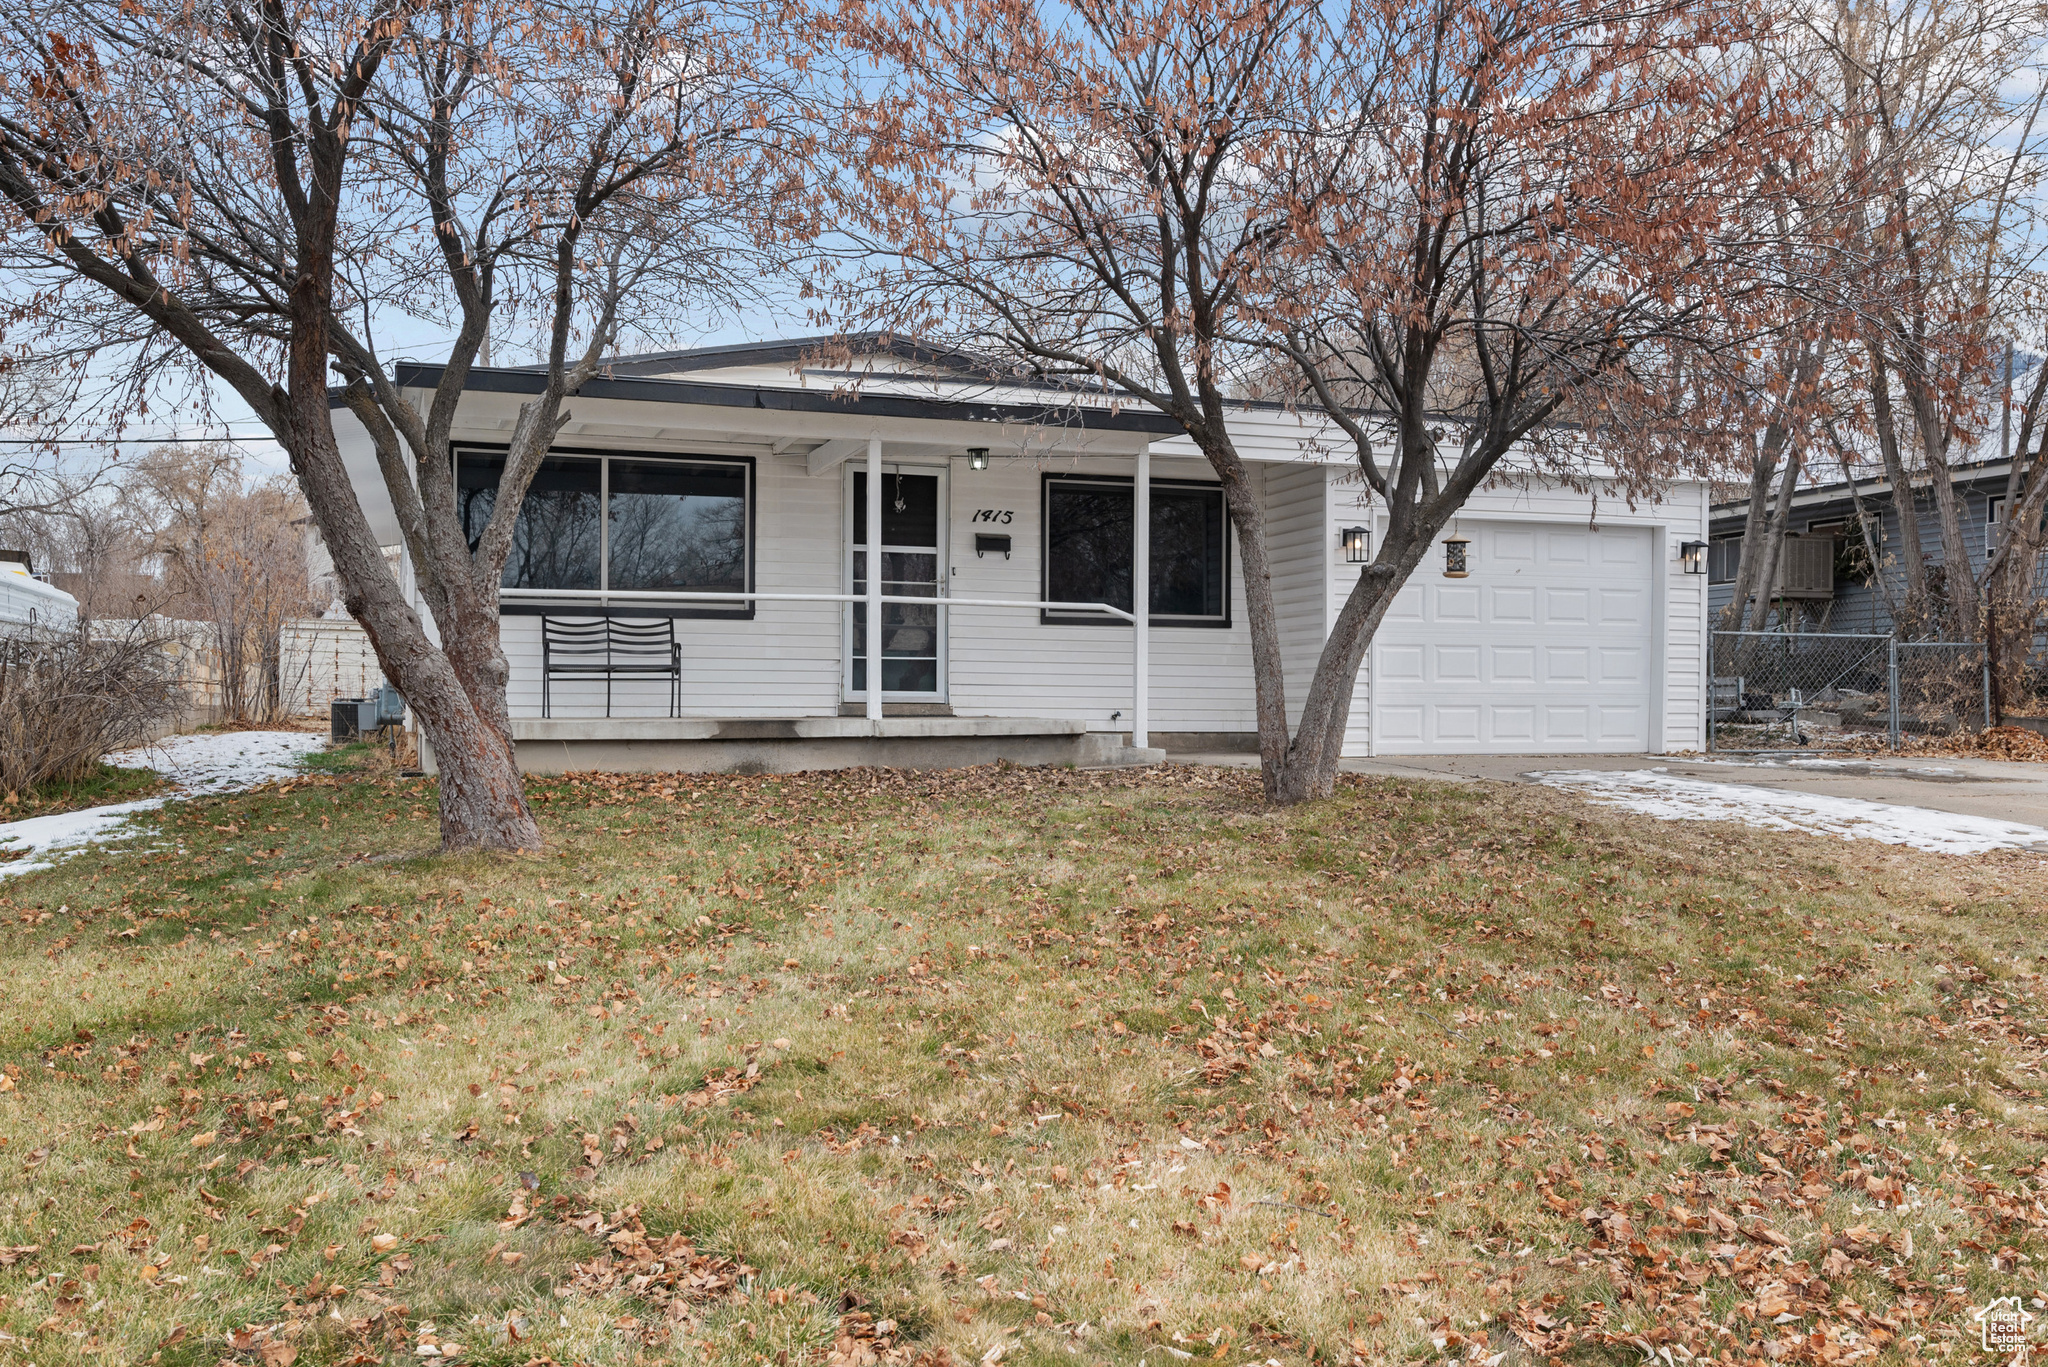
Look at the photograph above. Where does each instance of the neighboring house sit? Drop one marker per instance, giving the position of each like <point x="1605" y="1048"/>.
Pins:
<point x="28" y="599"/>
<point x="1827" y="570"/>
<point x="743" y="472"/>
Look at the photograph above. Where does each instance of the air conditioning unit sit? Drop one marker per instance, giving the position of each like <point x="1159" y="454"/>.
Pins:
<point x="1806" y="567"/>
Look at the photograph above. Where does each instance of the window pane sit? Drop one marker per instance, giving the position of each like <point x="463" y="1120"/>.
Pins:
<point x="1088" y="544"/>
<point x="916" y="523"/>
<point x="1187" y="553"/>
<point x="678" y="525"/>
<point x="555" y="542"/>
<point x="1088" y="548"/>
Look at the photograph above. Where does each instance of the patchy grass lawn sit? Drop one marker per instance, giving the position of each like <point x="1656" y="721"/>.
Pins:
<point x="1027" y="1066"/>
<point x="106" y="783"/>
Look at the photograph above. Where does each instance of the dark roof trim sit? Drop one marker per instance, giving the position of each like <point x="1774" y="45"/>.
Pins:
<point x="1968" y="475"/>
<point x="786" y="352"/>
<point x="410" y="375"/>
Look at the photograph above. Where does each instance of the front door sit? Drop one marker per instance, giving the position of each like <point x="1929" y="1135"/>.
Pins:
<point x="913" y="557"/>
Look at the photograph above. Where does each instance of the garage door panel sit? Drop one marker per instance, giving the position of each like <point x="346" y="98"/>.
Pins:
<point x="1514" y="724"/>
<point x="1457" y="664"/>
<point x="1567" y="607"/>
<point x="1400" y="725"/>
<point x="1546" y="647"/>
<point x="1514" y="664"/>
<point x="1401" y="663"/>
<point x="1565" y="725"/>
<point x="1621" y="664"/>
<point x="1621" y="723"/>
<point x="1513" y="606"/>
<point x="1457" y="603"/>
<point x="1518" y="547"/>
<point x="1567" y="665"/>
<point x="1457" y="725"/>
<point x="1567" y="548"/>
<point x="1622" y="607"/>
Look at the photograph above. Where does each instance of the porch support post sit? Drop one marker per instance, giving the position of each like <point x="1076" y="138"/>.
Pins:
<point x="1141" y="600"/>
<point x="874" y="552"/>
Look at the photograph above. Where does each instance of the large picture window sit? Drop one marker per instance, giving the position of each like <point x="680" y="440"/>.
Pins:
<point x="594" y="522"/>
<point x="1088" y="525"/>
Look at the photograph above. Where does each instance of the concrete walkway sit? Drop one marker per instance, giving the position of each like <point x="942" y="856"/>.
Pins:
<point x="1971" y="787"/>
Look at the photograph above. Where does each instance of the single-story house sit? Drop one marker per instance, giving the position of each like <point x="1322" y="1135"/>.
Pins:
<point x="723" y="499"/>
<point x="1827" y="570"/>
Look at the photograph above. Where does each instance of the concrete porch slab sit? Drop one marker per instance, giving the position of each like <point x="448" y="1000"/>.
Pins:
<point x="782" y="745"/>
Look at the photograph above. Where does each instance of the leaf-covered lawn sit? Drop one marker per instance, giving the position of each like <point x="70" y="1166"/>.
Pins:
<point x="1011" y="1065"/>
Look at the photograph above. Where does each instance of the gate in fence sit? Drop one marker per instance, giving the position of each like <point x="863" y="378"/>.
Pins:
<point x="1773" y="690"/>
<point x="1939" y="688"/>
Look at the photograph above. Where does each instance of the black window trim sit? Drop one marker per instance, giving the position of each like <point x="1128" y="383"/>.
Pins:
<point x="1071" y="619"/>
<point x="641" y="608"/>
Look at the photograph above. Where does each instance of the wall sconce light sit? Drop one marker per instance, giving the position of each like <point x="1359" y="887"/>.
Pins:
<point x="1357" y="543"/>
<point x="1454" y="556"/>
<point x="977" y="458"/>
<point x="1693" y="556"/>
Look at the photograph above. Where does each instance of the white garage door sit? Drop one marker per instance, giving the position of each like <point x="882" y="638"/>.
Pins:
<point x="1545" y="648"/>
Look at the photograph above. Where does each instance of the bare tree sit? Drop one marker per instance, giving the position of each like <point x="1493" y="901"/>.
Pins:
<point x="1941" y="142"/>
<point x="252" y="193"/>
<point x="1453" y="230"/>
<point x="233" y="560"/>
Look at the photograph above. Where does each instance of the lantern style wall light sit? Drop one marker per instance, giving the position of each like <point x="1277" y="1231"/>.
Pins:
<point x="1357" y="543"/>
<point x="977" y="458"/>
<point x="1454" y="556"/>
<point x="1693" y="556"/>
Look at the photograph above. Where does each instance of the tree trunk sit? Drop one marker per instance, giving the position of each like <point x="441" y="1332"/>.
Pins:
<point x="1311" y="770"/>
<point x="1762" y="466"/>
<point x="1269" y="680"/>
<point x="1773" y="549"/>
<point x="483" y="802"/>
<point x="1960" y="576"/>
<point x="1905" y="506"/>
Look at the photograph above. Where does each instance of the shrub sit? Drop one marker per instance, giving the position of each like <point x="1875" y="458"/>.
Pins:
<point x="67" y="698"/>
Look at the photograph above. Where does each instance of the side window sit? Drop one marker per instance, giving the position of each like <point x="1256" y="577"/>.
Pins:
<point x="1724" y="557"/>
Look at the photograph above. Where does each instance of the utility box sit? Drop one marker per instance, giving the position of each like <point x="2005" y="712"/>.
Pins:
<point x="353" y="718"/>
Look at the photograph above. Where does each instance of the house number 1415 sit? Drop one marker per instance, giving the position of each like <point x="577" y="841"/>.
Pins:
<point x="1003" y="515"/>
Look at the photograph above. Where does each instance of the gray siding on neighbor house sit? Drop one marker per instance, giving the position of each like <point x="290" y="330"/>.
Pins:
<point x="1859" y="606"/>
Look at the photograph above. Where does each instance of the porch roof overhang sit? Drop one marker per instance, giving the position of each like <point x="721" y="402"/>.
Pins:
<point x="1079" y="414"/>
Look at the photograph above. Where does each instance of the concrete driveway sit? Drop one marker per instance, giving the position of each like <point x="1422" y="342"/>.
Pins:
<point x="1992" y="790"/>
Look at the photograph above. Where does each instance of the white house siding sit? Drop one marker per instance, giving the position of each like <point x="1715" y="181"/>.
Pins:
<point x="1300" y="544"/>
<point x="1006" y="663"/>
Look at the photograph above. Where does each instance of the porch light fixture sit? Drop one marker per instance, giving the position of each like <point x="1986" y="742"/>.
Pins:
<point x="977" y="458"/>
<point x="1357" y="543"/>
<point x="1693" y="556"/>
<point x="1454" y="556"/>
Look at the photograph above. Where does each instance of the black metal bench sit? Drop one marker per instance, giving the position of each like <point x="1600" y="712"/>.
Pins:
<point x="608" y="648"/>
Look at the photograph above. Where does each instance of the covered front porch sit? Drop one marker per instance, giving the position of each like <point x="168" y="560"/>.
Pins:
<point x="726" y="530"/>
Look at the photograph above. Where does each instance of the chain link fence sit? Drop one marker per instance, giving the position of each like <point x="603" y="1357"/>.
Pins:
<point x="1771" y="690"/>
<point x="1774" y="689"/>
<point x="1939" y="688"/>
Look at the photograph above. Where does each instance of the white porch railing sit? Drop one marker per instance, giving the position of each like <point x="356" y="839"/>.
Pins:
<point x="603" y="597"/>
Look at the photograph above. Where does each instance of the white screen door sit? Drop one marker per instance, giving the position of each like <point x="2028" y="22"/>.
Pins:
<point x="913" y="558"/>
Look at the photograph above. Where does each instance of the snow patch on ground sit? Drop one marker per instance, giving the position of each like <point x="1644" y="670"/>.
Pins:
<point x="1671" y="798"/>
<point x="223" y="763"/>
<point x="226" y="761"/>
